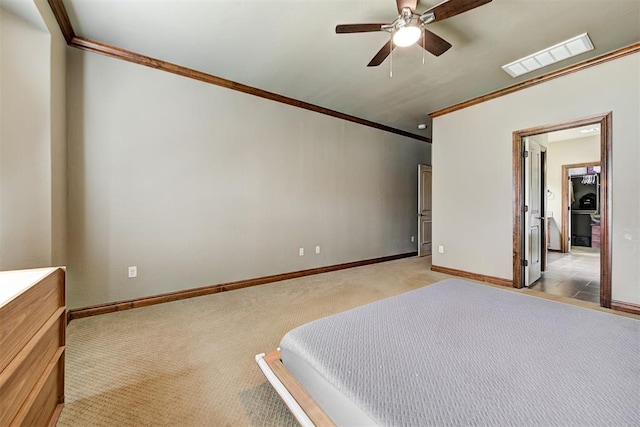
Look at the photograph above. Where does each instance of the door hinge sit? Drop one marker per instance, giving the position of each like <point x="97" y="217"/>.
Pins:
<point x="525" y="263"/>
<point x="525" y="154"/>
<point x="526" y="208"/>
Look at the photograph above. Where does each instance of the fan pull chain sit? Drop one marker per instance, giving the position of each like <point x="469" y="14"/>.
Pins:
<point x="423" y="44"/>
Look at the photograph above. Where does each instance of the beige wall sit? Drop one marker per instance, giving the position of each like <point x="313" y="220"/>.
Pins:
<point x="32" y="137"/>
<point x="560" y="153"/>
<point x="198" y="185"/>
<point x="58" y="141"/>
<point x="472" y="173"/>
<point x="25" y="128"/>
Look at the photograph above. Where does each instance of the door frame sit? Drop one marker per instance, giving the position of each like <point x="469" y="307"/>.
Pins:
<point x="564" y="231"/>
<point x="605" y="122"/>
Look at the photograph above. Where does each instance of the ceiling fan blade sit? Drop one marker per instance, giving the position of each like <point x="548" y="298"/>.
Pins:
<point x="358" y="28"/>
<point x="434" y="43"/>
<point x="382" y="54"/>
<point x="411" y="4"/>
<point x="450" y="8"/>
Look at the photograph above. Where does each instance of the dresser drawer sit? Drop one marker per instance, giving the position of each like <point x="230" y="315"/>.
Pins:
<point x="47" y="402"/>
<point x="22" y="317"/>
<point x="18" y="383"/>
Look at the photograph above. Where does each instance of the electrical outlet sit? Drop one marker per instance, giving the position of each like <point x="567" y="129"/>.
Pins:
<point x="413" y="239"/>
<point x="317" y="249"/>
<point x="133" y="272"/>
<point x="441" y="249"/>
<point x="301" y="251"/>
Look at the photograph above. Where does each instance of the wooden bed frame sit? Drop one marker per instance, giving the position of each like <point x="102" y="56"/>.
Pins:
<point x="295" y="396"/>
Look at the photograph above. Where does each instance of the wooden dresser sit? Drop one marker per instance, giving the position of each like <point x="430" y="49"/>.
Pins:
<point x="32" y="343"/>
<point x="595" y="236"/>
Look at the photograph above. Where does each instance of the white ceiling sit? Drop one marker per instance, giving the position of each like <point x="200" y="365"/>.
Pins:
<point x="26" y="10"/>
<point x="289" y="47"/>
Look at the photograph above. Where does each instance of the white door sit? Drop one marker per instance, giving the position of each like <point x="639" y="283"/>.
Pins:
<point x="533" y="214"/>
<point x="569" y="196"/>
<point x="424" y="210"/>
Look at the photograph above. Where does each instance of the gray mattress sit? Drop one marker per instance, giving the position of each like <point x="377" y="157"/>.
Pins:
<point x="459" y="353"/>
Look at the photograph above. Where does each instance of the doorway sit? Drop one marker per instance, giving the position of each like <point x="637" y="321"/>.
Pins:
<point x="580" y="180"/>
<point x="572" y="215"/>
<point x="522" y="218"/>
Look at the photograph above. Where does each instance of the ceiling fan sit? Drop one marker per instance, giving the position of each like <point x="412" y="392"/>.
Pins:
<point x="409" y="27"/>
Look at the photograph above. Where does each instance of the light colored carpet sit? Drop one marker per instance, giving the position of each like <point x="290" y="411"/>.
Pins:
<point x="191" y="362"/>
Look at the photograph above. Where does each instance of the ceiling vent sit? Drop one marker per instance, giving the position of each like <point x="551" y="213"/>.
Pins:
<point x="561" y="51"/>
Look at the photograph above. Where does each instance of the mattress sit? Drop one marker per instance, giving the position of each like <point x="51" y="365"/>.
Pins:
<point x="460" y="353"/>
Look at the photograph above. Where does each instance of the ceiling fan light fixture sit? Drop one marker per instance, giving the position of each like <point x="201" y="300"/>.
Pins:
<point x="406" y="36"/>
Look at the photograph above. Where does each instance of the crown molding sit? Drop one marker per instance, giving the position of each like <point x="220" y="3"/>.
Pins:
<point x="89" y="45"/>
<point x="60" y="12"/>
<point x="616" y="54"/>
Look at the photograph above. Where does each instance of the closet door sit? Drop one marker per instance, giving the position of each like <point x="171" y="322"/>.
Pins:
<point x="533" y="215"/>
<point x="424" y="210"/>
